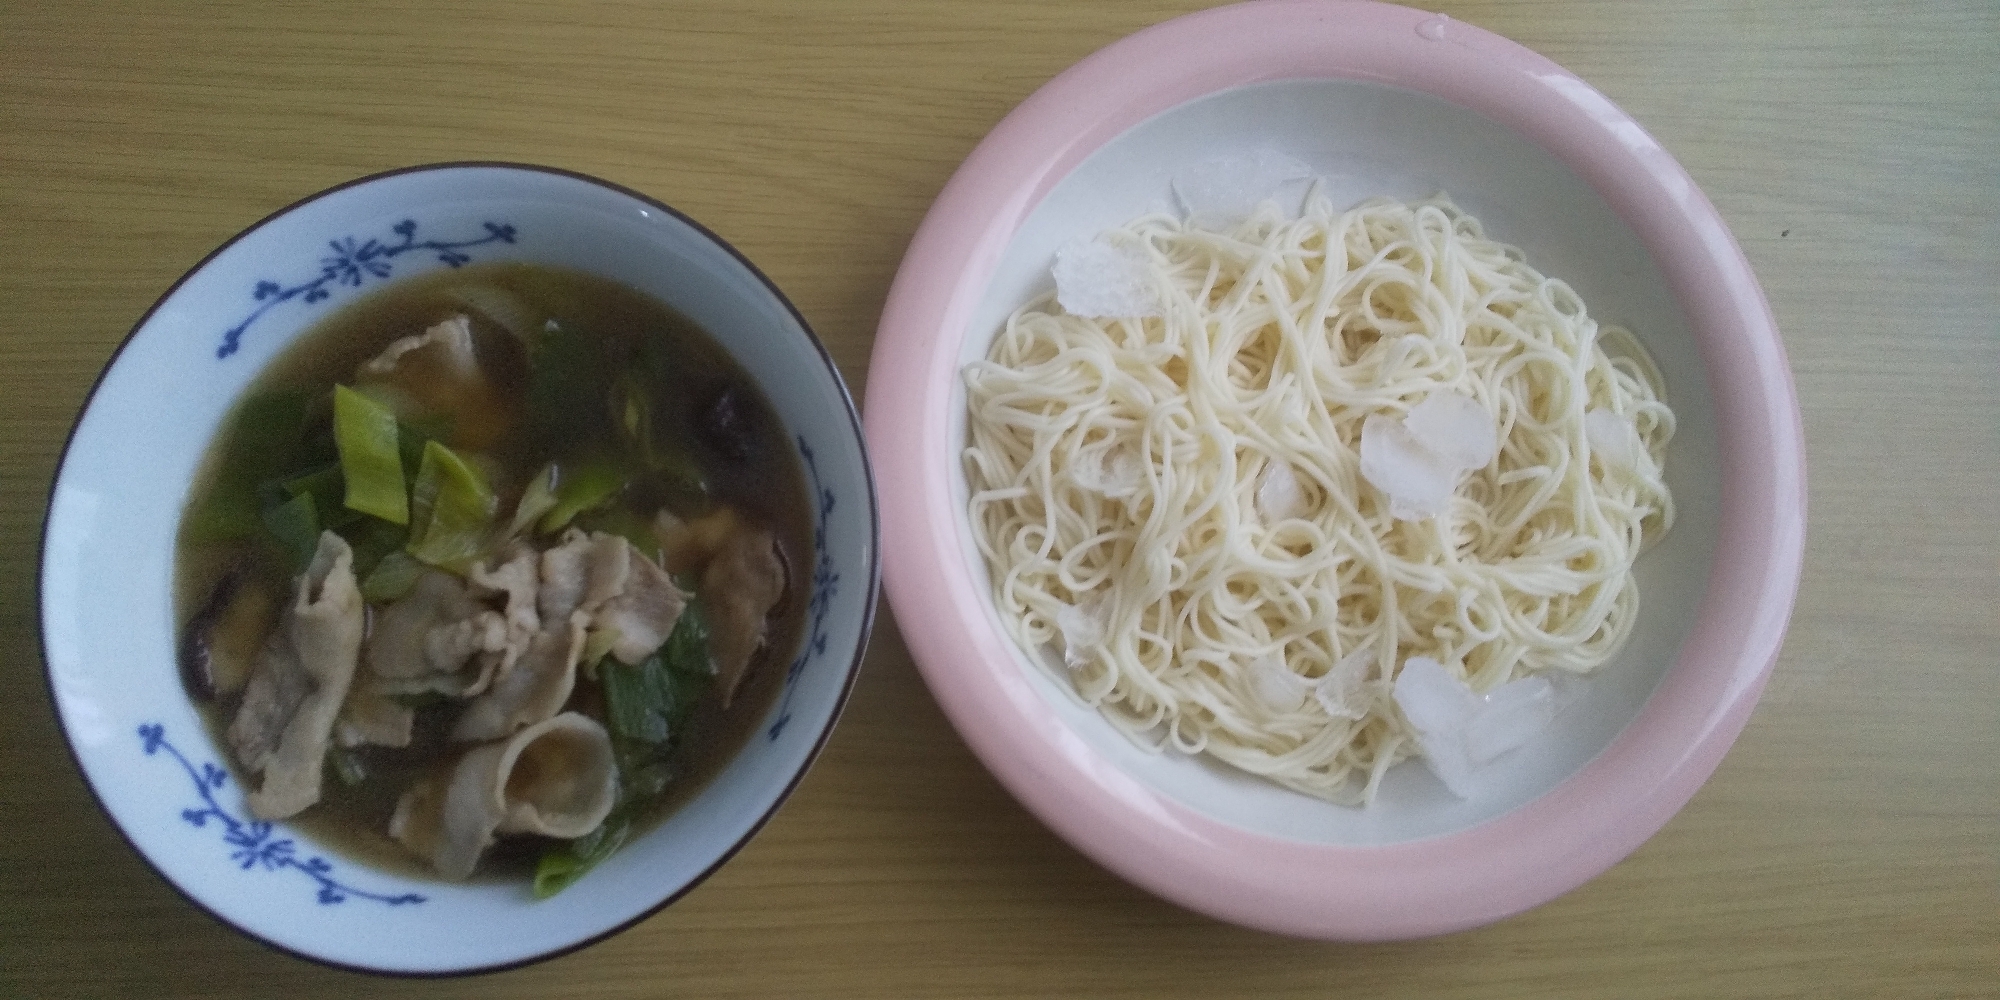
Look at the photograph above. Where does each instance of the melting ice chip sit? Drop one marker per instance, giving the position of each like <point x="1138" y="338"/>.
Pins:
<point x="1439" y="707"/>
<point x="1454" y="426"/>
<point x="1610" y="438"/>
<point x="1099" y="278"/>
<point x="1343" y="692"/>
<point x="1278" y="494"/>
<point x="1418" y="480"/>
<point x="1277" y="687"/>
<point x="1221" y="191"/>
<point x="1417" y="460"/>
<point x="1114" y="474"/>
<point x="1082" y="627"/>
<point x="1460" y="732"/>
<point x="1509" y="716"/>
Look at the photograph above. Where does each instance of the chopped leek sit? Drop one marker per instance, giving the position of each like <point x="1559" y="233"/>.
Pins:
<point x="686" y="648"/>
<point x="413" y="435"/>
<point x="595" y="645"/>
<point x="666" y="460"/>
<point x="632" y="414"/>
<point x="262" y="440"/>
<point x="372" y="539"/>
<point x="451" y="511"/>
<point x="365" y="433"/>
<point x="392" y="578"/>
<point x="581" y="487"/>
<point x="565" y="367"/>
<point x="637" y="699"/>
<point x="325" y="486"/>
<point x="560" y="866"/>
<point x="652" y="702"/>
<point x="536" y="499"/>
<point x="643" y="772"/>
<point x="295" y="525"/>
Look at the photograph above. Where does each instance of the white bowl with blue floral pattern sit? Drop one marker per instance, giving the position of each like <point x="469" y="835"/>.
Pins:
<point x="108" y="547"/>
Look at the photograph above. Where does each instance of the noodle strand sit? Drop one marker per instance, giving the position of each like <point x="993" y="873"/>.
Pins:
<point x="1115" y="468"/>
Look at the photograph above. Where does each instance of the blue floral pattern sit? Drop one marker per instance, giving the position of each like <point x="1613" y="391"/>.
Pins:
<point x="352" y="263"/>
<point x="824" y="584"/>
<point x="254" y="843"/>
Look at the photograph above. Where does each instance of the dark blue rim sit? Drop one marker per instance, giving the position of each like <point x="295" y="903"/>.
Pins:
<point x="874" y="560"/>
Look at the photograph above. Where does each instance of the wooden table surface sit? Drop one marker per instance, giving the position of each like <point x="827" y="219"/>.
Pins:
<point x="1846" y="847"/>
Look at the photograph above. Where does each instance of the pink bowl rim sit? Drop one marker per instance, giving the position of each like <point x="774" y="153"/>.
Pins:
<point x="1505" y="865"/>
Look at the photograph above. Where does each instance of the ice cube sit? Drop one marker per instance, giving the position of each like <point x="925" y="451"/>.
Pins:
<point x="1610" y="438"/>
<point x="1278" y="494"/>
<point x="1112" y="472"/>
<point x="1276" y="685"/>
<point x="1100" y="278"/>
<point x="1431" y="698"/>
<point x="1343" y="692"/>
<point x="1455" y="426"/>
<point x="1418" y="480"/>
<point x="1082" y="626"/>
<point x="1509" y="716"/>
<point x="1460" y="733"/>
<point x="1438" y="708"/>
<point x="1219" y="192"/>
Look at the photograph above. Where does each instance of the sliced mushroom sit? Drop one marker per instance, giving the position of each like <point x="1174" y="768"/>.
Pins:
<point x="196" y="651"/>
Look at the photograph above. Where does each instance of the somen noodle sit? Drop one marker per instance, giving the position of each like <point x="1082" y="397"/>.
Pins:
<point x="1181" y="506"/>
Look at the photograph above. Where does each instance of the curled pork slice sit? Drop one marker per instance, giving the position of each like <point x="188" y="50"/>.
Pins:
<point x="560" y="778"/>
<point x="438" y="374"/>
<point x="644" y="612"/>
<point x="585" y="583"/>
<point x="517" y="580"/>
<point x="534" y="690"/>
<point x="299" y="683"/>
<point x="437" y="638"/>
<point x="742" y="584"/>
<point x="556" y="778"/>
<point x="517" y="577"/>
<point x="581" y="574"/>
<point x="448" y="346"/>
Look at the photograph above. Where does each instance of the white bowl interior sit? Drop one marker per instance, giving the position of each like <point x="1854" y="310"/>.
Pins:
<point x="1366" y="140"/>
<point x="132" y="461"/>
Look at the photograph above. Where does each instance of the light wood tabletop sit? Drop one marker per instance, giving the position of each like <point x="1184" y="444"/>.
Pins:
<point x="1849" y="845"/>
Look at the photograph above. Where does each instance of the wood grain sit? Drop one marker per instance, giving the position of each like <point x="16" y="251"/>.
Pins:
<point x="1846" y="847"/>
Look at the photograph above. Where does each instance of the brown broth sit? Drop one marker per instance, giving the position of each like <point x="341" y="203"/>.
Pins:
<point x="767" y="487"/>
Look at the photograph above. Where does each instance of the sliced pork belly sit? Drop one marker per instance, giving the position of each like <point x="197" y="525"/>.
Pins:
<point x="556" y="778"/>
<point x="535" y="689"/>
<point x="517" y="577"/>
<point x="299" y="683"/>
<point x="581" y="574"/>
<point x="742" y="584"/>
<point x="644" y="612"/>
<point x="435" y="638"/>
<point x="437" y="375"/>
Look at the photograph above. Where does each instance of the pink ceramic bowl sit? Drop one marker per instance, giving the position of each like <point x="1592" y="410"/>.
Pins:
<point x="1377" y="100"/>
